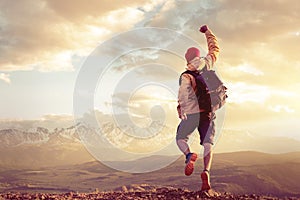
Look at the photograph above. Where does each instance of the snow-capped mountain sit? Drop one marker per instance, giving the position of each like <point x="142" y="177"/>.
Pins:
<point x="43" y="147"/>
<point x="15" y="137"/>
<point x="37" y="136"/>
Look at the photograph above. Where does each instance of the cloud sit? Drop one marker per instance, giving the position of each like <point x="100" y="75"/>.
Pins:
<point x="45" y="35"/>
<point x="49" y="121"/>
<point x="78" y="9"/>
<point x="146" y="100"/>
<point x="242" y="92"/>
<point x="135" y="58"/>
<point x="281" y="108"/>
<point x="246" y="68"/>
<point x="5" y="77"/>
<point x="259" y="40"/>
<point x="55" y="117"/>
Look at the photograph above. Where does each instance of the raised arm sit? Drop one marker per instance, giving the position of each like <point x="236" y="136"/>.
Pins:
<point x="213" y="46"/>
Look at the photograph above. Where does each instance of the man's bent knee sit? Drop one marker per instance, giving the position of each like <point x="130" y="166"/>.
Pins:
<point x="183" y="146"/>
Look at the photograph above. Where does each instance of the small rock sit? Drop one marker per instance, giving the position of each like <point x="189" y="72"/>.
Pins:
<point x="124" y="188"/>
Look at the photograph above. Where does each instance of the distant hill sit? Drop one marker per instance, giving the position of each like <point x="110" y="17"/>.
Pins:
<point x="241" y="140"/>
<point x="238" y="173"/>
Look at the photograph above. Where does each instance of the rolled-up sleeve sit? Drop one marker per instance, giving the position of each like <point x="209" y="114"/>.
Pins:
<point x="213" y="49"/>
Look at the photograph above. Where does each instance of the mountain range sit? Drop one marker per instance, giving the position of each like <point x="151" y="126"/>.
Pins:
<point x="63" y="146"/>
<point x="42" y="160"/>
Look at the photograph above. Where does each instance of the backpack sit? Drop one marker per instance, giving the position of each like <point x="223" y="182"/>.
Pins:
<point x="210" y="91"/>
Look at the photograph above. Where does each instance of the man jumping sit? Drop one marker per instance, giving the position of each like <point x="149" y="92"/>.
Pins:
<point x="192" y="114"/>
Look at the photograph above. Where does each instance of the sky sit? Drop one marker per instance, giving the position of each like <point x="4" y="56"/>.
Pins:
<point x="44" y="45"/>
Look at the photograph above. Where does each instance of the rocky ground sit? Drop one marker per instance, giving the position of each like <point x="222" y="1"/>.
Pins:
<point x="140" y="192"/>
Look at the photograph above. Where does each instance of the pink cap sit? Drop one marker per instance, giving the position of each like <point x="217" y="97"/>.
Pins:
<point x="191" y="53"/>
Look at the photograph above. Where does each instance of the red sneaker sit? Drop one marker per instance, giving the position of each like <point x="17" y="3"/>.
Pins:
<point x="189" y="167"/>
<point x="205" y="181"/>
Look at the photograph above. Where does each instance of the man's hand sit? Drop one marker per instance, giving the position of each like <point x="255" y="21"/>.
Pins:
<point x="183" y="116"/>
<point x="203" y="28"/>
